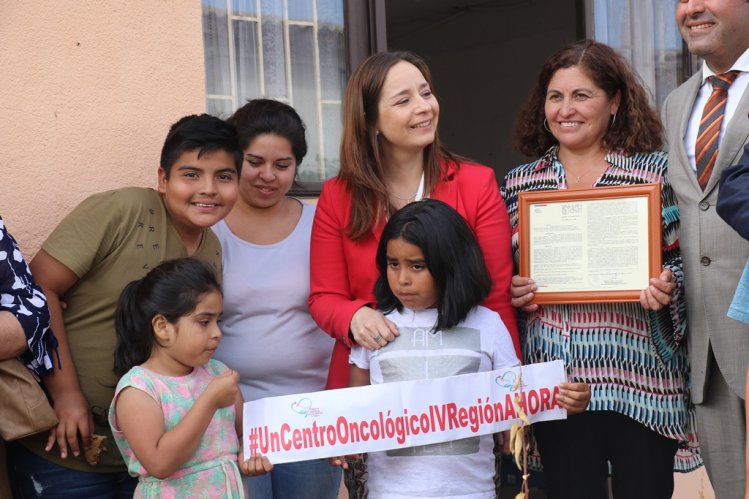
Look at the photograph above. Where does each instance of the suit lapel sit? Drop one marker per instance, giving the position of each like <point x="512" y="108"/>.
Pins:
<point x="692" y="88"/>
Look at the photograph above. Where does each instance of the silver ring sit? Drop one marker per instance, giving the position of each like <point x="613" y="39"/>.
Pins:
<point x="377" y="338"/>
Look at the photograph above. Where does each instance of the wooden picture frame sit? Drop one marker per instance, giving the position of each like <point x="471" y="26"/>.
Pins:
<point x="590" y="245"/>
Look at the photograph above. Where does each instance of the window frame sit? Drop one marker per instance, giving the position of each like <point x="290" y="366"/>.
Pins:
<point x="364" y="34"/>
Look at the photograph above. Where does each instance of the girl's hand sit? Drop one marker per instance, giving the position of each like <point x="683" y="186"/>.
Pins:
<point x="521" y="291"/>
<point x="342" y="461"/>
<point x="255" y="465"/>
<point x="371" y="329"/>
<point x="660" y="292"/>
<point x="223" y="389"/>
<point x="574" y="397"/>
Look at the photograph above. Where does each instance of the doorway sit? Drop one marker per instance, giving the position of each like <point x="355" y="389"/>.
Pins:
<point x="484" y="56"/>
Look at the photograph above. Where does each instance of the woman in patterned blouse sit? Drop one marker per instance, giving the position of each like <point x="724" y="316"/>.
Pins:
<point x="589" y="121"/>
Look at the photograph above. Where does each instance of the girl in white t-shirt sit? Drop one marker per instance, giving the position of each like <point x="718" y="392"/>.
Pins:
<point x="431" y="284"/>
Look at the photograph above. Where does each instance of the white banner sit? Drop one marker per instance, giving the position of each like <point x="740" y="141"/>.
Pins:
<point x="402" y="414"/>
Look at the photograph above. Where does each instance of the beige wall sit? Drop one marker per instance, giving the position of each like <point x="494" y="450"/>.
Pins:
<point x="88" y="89"/>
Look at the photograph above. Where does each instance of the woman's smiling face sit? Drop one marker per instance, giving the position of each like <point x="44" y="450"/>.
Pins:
<point x="407" y="110"/>
<point x="268" y="171"/>
<point x="578" y="112"/>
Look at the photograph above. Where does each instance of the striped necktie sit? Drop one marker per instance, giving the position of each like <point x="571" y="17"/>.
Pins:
<point x="706" y="147"/>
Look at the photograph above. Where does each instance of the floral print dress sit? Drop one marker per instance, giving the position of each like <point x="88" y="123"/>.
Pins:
<point x="212" y="471"/>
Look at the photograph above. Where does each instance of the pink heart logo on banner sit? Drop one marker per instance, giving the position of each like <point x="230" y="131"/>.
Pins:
<point x="506" y="379"/>
<point x="302" y="406"/>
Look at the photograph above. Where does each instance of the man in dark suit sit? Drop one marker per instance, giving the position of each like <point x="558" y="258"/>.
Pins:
<point x="714" y="254"/>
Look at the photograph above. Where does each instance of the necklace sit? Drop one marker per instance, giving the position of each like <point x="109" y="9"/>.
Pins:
<point x="579" y="179"/>
<point x="416" y="196"/>
<point x="407" y="200"/>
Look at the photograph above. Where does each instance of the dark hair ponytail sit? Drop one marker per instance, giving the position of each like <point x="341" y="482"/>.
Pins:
<point x="133" y="348"/>
<point x="173" y="290"/>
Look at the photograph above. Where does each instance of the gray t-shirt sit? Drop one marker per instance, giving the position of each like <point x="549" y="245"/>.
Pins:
<point x="269" y="336"/>
<point x="460" y="468"/>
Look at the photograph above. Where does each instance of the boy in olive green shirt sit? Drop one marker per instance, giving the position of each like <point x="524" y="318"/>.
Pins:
<point x="107" y="241"/>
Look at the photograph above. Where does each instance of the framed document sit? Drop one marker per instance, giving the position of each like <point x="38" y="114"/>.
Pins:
<point x="598" y="245"/>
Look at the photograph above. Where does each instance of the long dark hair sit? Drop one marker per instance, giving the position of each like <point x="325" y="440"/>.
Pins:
<point x="173" y="289"/>
<point x="453" y="257"/>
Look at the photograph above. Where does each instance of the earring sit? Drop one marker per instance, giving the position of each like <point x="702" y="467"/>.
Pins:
<point x="613" y="120"/>
<point x="546" y="125"/>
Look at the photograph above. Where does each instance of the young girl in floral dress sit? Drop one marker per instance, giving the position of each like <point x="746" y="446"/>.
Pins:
<point x="177" y="413"/>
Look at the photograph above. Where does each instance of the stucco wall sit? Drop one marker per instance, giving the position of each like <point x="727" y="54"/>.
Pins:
<point x="88" y="89"/>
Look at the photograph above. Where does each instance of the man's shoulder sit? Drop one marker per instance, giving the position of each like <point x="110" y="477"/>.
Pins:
<point x="683" y="91"/>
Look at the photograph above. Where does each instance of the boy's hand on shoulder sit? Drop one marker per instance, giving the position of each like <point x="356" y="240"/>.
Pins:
<point x="75" y="417"/>
<point x="255" y="465"/>
<point x="223" y="389"/>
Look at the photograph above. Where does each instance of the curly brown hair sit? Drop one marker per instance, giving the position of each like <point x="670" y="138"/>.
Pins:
<point x="637" y="127"/>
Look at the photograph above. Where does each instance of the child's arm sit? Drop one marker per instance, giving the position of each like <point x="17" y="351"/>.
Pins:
<point x="358" y="376"/>
<point x="70" y="404"/>
<point x="257" y="464"/>
<point x="162" y="453"/>
<point x="239" y="416"/>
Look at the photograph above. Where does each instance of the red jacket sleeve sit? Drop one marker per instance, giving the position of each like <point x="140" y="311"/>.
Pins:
<point x="331" y="302"/>
<point x="492" y="228"/>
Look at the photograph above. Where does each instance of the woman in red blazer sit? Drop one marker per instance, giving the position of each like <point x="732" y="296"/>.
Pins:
<point x="391" y="155"/>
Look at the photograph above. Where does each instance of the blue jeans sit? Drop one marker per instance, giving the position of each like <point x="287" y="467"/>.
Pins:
<point x="315" y="479"/>
<point x="34" y="477"/>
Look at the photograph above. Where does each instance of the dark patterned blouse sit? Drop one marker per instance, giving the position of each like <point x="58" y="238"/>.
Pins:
<point x="634" y="360"/>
